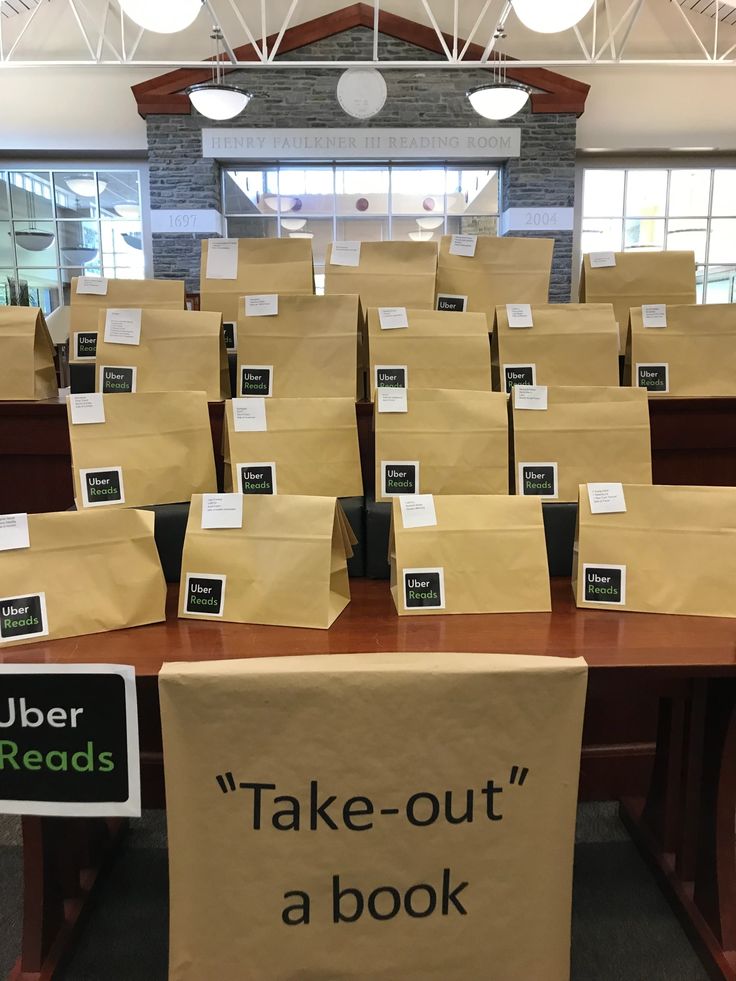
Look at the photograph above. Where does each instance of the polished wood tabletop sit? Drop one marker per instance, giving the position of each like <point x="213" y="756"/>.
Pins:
<point x="695" y="645"/>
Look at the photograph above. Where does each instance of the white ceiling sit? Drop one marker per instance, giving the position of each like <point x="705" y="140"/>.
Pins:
<point x="78" y="31"/>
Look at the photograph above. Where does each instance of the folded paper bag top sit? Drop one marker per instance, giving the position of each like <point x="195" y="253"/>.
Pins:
<point x="485" y="554"/>
<point x="568" y="344"/>
<point x="286" y="565"/>
<point x="586" y="433"/>
<point x="693" y="356"/>
<point x="258" y="265"/>
<point x="178" y="351"/>
<point x="26" y="356"/>
<point x="84" y="572"/>
<point x="388" y="274"/>
<point x="474" y="814"/>
<point x="673" y="550"/>
<point x="502" y="270"/>
<point x="308" y="446"/>
<point x="456" y="442"/>
<point x="310" y="347"/>
<point x="638" y="277"/>
<point x="144" y="294"/>
<point x="438" y="350"/>
<point x="152" y="448"/>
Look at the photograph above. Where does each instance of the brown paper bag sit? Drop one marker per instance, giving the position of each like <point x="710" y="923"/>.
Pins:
<point x="485" y="554"/>
<point x="672" y="551"/>
<point x="146" y="294"/>
<point x="693" y="356"/>
<point x="637" y="278"/>
<point x="308" y="350"/>
<point x="568" y="344"/>
<point x="286" y="566"/>
<point x="309" y="446"/>
<point x="83" y="573"/>
<point x="503" y="270"/>
<point x="585" y="434"/>
<point x="27" y="369"/>
<point x="179" y="351"/>
<point x="264" y="265"/>
<point x="436" y="350"/>
<point x="447" y="442"/>
<point x="389" y="274"/>
<point x="453" y="863"/>
<point x="152" y="448"/>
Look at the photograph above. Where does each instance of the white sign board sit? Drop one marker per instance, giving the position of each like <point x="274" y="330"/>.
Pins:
<point x="364" y="143"/>
<point x="205" y="221"/>
<point x="537" y="220"/>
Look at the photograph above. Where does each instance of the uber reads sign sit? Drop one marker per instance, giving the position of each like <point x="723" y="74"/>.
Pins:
<point x="69" y="740"/>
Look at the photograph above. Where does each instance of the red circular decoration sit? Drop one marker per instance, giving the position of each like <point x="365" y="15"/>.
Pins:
<point x="429" y="204"/>
<point x="362" y="204"/>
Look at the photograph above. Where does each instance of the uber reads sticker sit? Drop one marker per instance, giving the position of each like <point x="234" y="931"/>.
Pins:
<point x="452" y="302"/>
<point x="400" y="477"/>
<point x="604" y="584"/>
<point x="69" y="740"/>
<point x="256" y="380"/>
<point x="85" y="345"/>
<point x="231" y="337"/>
<point x="116" y="379"/>
<point x="424" y="589"/>
<point x="538" y="479"/>
<point x="257" y="478"/>
<point x="205" y="594"/>
<point x="23" y="616"/>
<point x="104" y="486"/>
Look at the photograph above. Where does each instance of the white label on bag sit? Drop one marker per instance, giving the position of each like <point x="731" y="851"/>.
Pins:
<point x="530" y="397"/>
<point x="519" y="315"/>
<point x="14" y="532"/>
<point x="86" y="408"/>
<point x="392" y="400"/>
<point x="265" y="305"/>
<point x="392" y="318"/>
<point x="606" y="498"/>
<point x="602" y="260"/>
<point x="463" y="245"/>
<point x="654" y="314"/>
<point x="222" y="258"/>
<point x="123" y="326"/>
<point x="417" y="510"/>
<point x="222" y="510"/>
<point x="345" y="254"/>
<point x="249" y="415"/>
<point x="94" y="285"/>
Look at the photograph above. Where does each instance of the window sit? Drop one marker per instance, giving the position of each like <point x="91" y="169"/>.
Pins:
<point x="369" y="203"/>
<point x="659" y="208"/>
<point x="55" y="224"/>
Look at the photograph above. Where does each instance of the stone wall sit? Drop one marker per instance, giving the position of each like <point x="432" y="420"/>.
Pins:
<point x="179" y="178"/>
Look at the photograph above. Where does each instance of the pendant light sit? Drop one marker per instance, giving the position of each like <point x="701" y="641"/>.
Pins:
<point x="499" y="99"/>
<point x="216" y="99"/>
<point x="33" y="239"/>
<point x="128" y="210"/>
<point x="162" y="16"/>
<point x="85" y="187"/>
<point x="551" y="16"/>
<point x="430" y="223"/>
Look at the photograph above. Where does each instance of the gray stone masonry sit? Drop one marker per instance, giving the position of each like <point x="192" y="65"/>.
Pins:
<point x="543" y="176"/>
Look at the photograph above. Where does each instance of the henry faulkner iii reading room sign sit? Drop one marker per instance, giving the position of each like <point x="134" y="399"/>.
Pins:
<point x="363" y="144"/>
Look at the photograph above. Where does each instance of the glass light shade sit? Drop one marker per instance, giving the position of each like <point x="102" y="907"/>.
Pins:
<point x="33" y="240"/>
<point x="78" y="257"/>
<point x="129" y="211"/>
<point x="85" y="187"/>
<point x="420" y="236"/>
<point x="162" y="16"/>
<point x="215" y="100"/>
<point x="272" y="201"/>
<point x="301" y="235"/>
<point x="293" y="224"/>
<point x="133" y="239"/>
<point x="551" y="16"/>
<point x="430" y="222"/>
<point x="498" y="100"/>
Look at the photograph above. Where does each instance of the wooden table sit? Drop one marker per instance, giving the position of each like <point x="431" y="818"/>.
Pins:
<point x="685" y="826"/>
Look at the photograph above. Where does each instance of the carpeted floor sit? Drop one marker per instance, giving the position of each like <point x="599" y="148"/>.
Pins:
<point x="623" y="930"/>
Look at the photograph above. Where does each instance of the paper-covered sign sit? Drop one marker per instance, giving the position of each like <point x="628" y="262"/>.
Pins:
<point x="87" y="407"/>
<point x="345" y="254"/>
<point x="392" y="318"/>
<point x="606" y="498"/>
<point x="602" y="260"/>
<point x="463" y="245"/>
<point x="519" y="315"/>
<point x="94" y="285"/>
<point x="296" y="852"/>
<point x="123" y="326"/>
<point x="249" y="415"/>
<point x="266" y="305"/>
<point x="14" y="532"/>
<point x="222" y="510"/>
<point x="391" y="400"/>
<point x="530" y="397"/>
<point x="417" y="510"/>
<point x="222" y="258"/>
